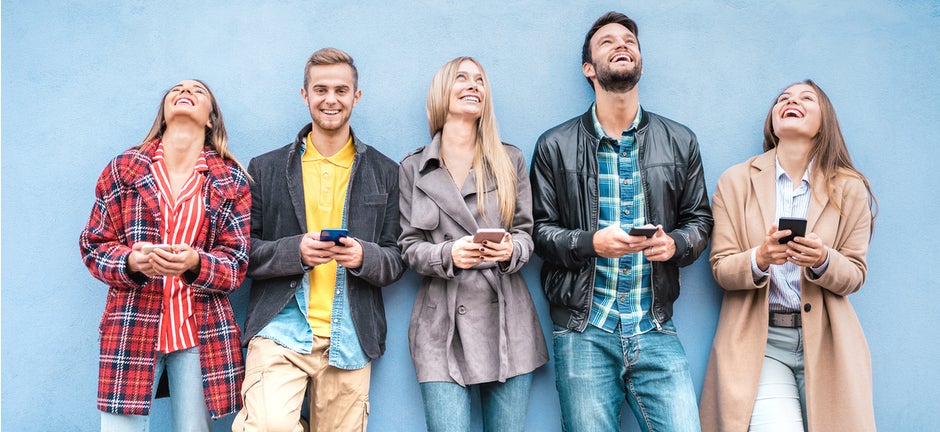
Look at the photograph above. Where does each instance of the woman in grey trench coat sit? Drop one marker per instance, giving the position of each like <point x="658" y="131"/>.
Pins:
<point x="473" y="322"/>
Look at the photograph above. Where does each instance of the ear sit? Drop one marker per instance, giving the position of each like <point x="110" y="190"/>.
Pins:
<point x="588" y="70"/>
<point x="303" y="95"/>
<point x="356" y="96"/>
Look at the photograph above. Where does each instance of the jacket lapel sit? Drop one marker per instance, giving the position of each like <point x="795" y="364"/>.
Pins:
<point x="818" y="203"/>
<point x="764" y="183"/>
<point x="295" y="186"/>
<point x="434" y="180"/>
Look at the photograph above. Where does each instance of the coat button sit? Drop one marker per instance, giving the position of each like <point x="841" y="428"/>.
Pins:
<point x="461" y="309"/>
<point x="807" y="307"/>
<point x="293" y="284"/>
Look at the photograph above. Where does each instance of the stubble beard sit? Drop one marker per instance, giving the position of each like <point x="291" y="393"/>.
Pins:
<point x="618" y="82"/>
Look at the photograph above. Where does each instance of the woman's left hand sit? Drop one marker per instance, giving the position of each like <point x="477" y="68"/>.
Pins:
<point x="807" y="251"/>
<point x="182" y="258"/>
<point x="498" y="252"/>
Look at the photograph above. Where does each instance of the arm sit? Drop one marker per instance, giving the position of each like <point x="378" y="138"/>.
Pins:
<point x="567" y="248"/>
<point x="421" y="255"/>
<point x="222" y="268"/>
<point x="103" y="242"/>
<point x="382" y="261"/>
<point x="731" y="252"/>
<point x="269" y="258"/>
<point x="694" y="221"/>
<point x="847" y="266"/>
<point x="522" y="218"/>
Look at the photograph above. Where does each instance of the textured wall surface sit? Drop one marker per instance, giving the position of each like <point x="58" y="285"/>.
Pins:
<point x="81" y="82"/>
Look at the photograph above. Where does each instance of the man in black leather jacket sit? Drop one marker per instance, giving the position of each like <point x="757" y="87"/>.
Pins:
<point x="595" y="177"/>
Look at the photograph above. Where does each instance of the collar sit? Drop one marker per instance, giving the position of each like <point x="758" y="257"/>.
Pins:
<point x="601" y="133"/>
<point x="781" y="172"/>
<point x="431" y="154"/>
<point x="343" y="158"/>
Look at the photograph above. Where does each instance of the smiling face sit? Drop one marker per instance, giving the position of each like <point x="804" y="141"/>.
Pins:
<point x="468" y="92"/>
<point x="330" y="95"/>
<point x="616" y="63"/>
<point x="189" y="100"/>
<point x="796" y="114"/>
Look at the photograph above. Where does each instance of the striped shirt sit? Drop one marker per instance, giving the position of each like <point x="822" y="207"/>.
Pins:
<point x="181" y="221"/>
<point x="622" y="288"/>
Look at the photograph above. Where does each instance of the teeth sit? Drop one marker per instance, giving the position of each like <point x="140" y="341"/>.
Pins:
<point x="330" y="112"/>
<point x="470" y="98"/>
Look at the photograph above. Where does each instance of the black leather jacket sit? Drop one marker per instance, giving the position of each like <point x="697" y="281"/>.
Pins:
<point x="565" y="207"/>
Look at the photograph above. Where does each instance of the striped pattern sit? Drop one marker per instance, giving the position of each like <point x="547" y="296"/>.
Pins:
<point x="182" y="218"/>
<point x="623" y="293"/>
<point x="126" y="211"/>
<point x="785" y="279"/>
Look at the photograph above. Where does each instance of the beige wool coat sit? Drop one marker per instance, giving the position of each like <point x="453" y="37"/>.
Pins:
<point x="836" y="357"/>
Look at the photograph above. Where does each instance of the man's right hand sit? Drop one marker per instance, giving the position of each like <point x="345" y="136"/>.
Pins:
<point x="314" y="252"/>
<point x="614" y="242"/>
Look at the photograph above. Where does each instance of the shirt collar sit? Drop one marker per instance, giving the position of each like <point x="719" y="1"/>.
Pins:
<point x="781" y="172"/>
<point x="599" y="130"/>
<point x="344" y="157"/>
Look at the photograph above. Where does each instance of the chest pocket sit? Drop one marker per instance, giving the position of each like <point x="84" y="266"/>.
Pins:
<point x="425" y="215"/>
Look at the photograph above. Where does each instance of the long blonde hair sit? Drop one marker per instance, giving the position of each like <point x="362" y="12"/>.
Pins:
<point x="215" y="134"/>
<point x="491" y="158"/>
<point x="830" y="154"/>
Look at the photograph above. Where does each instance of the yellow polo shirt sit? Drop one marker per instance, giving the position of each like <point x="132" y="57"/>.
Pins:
<point x="325" y="182"/>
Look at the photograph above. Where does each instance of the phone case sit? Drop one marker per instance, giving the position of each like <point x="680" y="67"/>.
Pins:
<point x="797" y="226"/>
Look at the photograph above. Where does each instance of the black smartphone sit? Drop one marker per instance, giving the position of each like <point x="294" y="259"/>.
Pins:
<point x="645" y="230"/>
<point x="333" y="234"/>
<point x="797" y="227"/>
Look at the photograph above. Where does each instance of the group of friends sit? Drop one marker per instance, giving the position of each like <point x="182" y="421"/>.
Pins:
<point x="178" y="223"/>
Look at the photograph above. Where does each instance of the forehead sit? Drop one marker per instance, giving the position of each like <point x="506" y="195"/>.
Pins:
<point x="334" y="75"/>
<point x="612" y="29"/>
<point x="190" y="83"/>
<point x="469" y="66"/>
<point x="799" y="88"/>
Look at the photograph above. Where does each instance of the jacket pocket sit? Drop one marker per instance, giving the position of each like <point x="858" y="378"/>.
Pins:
<point x="425" y="215"/>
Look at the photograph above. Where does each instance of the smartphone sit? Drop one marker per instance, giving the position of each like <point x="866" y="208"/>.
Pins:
<point x="645" y="230"/>
<point x="797" y="227"/>
<point x="333" y="234"/>
<point x="149" y="248"/>
<point x="494" y="235"/>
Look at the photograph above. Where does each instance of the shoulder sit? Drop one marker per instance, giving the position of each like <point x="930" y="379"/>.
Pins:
<point x="413" y="157"/>
<point x="514" y="152"/>
<point x="273" y="156"/>
<point x="666" y="124"/>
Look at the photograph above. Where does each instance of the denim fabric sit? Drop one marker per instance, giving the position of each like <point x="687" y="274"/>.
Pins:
<point x="447" y="405"/>
<point x="596" y="370"/>
<point x="187" y="399"/>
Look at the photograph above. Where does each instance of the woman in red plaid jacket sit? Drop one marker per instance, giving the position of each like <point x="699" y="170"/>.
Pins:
<point x="169" y="235"/>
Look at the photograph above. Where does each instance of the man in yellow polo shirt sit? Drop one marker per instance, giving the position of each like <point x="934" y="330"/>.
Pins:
<point x="315" y="312"/>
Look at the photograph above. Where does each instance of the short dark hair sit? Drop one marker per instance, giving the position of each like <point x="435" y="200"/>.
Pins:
<point x="608" y="18"/>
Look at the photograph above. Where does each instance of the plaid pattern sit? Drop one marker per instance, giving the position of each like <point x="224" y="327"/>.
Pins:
<point x="126" y="211"/>
<point x="622" y="288"/>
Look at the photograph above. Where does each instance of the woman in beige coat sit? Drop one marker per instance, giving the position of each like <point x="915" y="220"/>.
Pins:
<point x="788" y="341"/>
<point x="473" y="322"/>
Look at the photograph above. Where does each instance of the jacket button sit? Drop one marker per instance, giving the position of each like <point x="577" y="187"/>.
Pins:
<point x="807" y="307"/>
<point x="461" y="309"/>
<point x="293" y="284"/>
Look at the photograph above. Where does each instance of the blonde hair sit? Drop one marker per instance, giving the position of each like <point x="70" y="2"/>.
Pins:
<point x="491" y="158"/>
<point x="215" y="134"/>
<point x="330" y="56"/>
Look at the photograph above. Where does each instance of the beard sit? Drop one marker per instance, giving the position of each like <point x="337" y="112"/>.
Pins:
<point x="620" y="81"/>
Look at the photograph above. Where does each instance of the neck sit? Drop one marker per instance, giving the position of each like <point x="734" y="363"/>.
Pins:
<point x="329" y="142"/>
<point x="794" y="156"/>
<point x="181" y="146"/>
<point x="616" y="111"/>
<point x="459" y="134"/>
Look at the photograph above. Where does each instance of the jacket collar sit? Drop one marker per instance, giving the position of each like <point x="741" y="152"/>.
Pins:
<point x="433" y="175"/>
<point x="587" y="122"/>
<point x="137" y="172"/>
<point x="764" y="178"/>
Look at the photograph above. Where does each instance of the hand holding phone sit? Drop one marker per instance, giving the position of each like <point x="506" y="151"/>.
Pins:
<point x="333" y="235"/>
<point x="149" y="248"/>
<point x="648" y="230"/>
<point x="797" y="227"/>
<point x="492" y="235"/>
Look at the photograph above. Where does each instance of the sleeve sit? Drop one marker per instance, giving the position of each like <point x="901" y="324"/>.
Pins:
<point x="521" y="229"/>
<point x="269" y="258"/>
<point x="102" y="242"/>
<point x="694" y="214"/>
<point x="847" y="258"/>
<point x="731" y="254"/>
<point x="382" y="261"/>
<point x="567" y="248"/>
<point x="418" y="252"/>
<point x="223" y="267"/>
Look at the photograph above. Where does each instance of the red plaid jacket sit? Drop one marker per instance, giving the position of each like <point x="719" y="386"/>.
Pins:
<point x="126" y="211"/>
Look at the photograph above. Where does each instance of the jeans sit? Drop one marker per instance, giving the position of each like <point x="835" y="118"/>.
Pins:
<point x="780" y="404"/>
<point x="187" y="400"/>
<point x="595" y="371"/>
<point x="447" y="405"/>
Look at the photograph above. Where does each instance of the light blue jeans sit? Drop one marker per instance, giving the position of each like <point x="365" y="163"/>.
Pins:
<point x="780" y="404"/>
<point x="596" y="370"/>
<point x="447" y="405"/>
<point x="187" y="400"/>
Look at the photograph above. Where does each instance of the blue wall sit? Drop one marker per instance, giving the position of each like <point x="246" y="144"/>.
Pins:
<point x="81" y="82"/>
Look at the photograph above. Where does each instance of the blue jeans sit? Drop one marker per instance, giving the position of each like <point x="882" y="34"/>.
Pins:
<point x="447" y="405"/>
<point x="596" y="370"/>
<point x="187" y="400"/>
